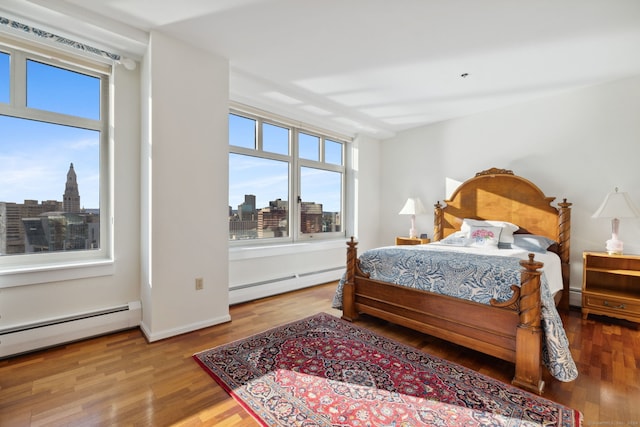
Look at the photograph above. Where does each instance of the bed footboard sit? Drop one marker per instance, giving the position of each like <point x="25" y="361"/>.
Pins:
<point x="512" y="333"/>
<point x="349" y="291"/>
<point x="529" y="333"/>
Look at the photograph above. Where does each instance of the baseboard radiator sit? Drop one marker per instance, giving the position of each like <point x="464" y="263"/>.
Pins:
<point x="39" y="335"/>
<point x="575" y="297"/>
<point x="292" y="282"/>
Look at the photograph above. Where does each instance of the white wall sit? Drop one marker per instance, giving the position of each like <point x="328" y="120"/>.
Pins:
<point x="185" y="193"/>
<point x="170" y="203"/>
<point x="170" y="157"/>
<point x="185" y="163"/>
<point x="368" y="194"/>
<point x="578" y="145"/>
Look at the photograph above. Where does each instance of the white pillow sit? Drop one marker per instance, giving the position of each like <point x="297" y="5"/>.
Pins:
<point x="530" y="242"/>
<point x="506" y="236"/>
<point x="484" y="237"/>
<point x="459" y="238"/>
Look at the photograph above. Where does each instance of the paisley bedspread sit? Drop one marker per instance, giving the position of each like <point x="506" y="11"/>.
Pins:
<point x="475" y="276"/>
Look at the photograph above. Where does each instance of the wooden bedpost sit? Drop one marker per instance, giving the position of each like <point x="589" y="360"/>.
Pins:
<point x="564" y="231"/>
<point x="437" y="222"/>
<point x="349" y="290"/>
<point x="529" y="333"/>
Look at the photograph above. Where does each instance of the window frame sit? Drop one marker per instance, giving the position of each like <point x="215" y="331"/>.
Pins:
<point x="296" y="163"/>
<point x="19" y="269"/>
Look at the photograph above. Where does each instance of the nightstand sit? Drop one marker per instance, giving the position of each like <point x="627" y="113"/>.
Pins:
<point x="611" y="285"/>
<point x="411" y="241"/>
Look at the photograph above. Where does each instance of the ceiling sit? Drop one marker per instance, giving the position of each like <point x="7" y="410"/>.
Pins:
<point x="378" y="67"/>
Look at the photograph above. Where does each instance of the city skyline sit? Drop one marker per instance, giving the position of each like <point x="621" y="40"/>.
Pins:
<point x="50" y="225"/>
<point x="268" y="180"/>
<point x="36" y="163"/>
<point x="35" y="155"/>
<point x="235" y="209"/>
<point x="268" y="177"/>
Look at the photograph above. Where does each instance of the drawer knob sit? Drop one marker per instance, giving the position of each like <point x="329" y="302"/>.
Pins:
<point x="608" y="304"/>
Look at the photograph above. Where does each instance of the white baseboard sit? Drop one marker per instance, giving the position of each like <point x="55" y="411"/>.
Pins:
<point x="248" y="293"/>
<point x="575" y="297"/>
<point x="54" y="332"/>
<point x="252" y="292"/>
<point x="168" y="333"/>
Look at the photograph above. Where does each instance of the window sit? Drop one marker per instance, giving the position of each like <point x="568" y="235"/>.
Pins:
<point x="4" y="77"/>
<point x="53" y="145"/>
<point x="285" y="183"/>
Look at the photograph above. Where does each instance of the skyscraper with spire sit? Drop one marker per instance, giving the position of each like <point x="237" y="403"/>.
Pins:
<point x="71" y="197"/>
<point x="50" y="225"/>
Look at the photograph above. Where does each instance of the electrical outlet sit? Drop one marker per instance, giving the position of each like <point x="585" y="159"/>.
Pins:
<point x="199" y="283"/>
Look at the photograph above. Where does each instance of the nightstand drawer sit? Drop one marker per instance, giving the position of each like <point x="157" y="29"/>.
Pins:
<point x="607" y="304"/>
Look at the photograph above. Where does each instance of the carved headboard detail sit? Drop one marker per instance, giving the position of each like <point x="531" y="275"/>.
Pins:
<point x="499" y="194"/>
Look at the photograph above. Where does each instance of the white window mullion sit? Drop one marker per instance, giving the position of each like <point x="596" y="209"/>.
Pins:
<point x="18" y="91"/>
<point x="259" y="144"/>
<point x="295" y="187"/>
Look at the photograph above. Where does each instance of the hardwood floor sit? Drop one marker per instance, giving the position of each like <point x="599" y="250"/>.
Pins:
<point x="120" y="379"/>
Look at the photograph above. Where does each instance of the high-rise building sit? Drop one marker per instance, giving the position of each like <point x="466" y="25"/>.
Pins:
<point x="71" y="197"/>
<point x="12" y="230"/>
<point x="311" y="217"/>
<point x="247" y="210"/>
<point x="272" y="220"/>
<point x="50" y="225"/>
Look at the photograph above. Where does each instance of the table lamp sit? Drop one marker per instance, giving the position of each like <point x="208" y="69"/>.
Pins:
<point x="413" y="207"/>
<point x="616" y="205"/>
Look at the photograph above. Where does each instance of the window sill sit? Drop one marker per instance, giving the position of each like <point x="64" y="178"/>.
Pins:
<point x="249" y="252"/>
<point x="35" y="274"/>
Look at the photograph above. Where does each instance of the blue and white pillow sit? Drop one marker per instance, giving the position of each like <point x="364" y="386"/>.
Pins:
<point x="532" y="242"/>
<point x="459" y="238"/>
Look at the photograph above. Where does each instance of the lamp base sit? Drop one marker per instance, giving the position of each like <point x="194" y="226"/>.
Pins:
<point x="412" y="231"/>
<point x="614" y="247"/>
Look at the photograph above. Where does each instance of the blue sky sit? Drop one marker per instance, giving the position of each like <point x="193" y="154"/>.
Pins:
<point x="268" y="179"/>
<point x="35" y="159"/>
<point x="35" y="156"/>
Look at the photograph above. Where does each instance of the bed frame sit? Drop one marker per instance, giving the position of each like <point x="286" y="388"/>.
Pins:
<point x="510" y="330"/>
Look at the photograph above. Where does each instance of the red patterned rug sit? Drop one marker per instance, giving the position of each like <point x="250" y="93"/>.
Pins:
<point x="324" y="371"/>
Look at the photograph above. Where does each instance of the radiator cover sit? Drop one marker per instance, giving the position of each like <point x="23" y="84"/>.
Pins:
<point x="39" y="335"/>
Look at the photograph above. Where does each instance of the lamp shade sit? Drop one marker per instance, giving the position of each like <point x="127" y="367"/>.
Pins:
<point x="413" y="206"/>
<point x="617" y="205"/>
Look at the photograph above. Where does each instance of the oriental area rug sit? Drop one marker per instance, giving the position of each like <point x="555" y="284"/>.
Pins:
<point x="324" y="371"/>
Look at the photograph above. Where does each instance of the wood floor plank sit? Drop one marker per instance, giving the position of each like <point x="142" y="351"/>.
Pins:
<point x="120" y="379"/>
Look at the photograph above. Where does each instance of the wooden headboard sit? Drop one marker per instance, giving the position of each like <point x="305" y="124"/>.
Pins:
<point x="498" y="194"/>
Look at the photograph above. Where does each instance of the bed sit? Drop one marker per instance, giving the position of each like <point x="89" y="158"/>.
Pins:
<point x="520" y="324"/>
